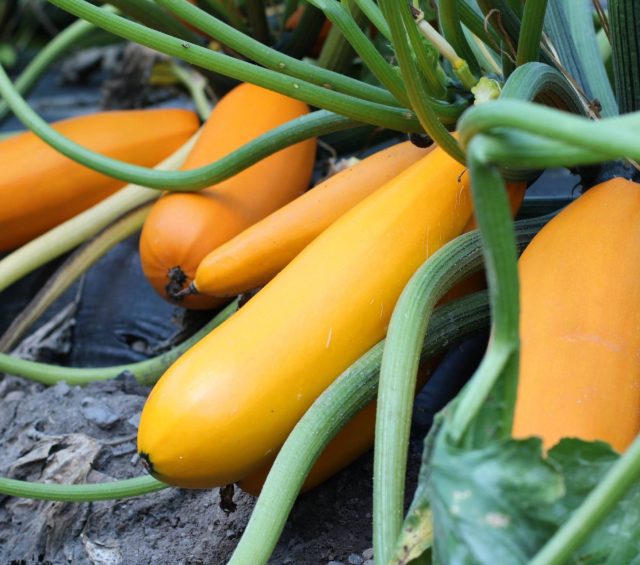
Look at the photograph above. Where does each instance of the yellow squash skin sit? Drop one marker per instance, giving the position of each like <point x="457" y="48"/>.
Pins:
<point x="580" y="335"/>
<point x="256" y="255"/>
<point x="225" y="407"/>
<point x="358" y="435"/>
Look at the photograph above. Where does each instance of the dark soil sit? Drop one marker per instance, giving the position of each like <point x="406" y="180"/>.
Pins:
<point x="73" y="434"/>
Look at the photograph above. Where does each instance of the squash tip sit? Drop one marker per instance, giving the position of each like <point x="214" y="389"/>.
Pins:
<point x="175" y="289"/>
<point x="146" y="462"/>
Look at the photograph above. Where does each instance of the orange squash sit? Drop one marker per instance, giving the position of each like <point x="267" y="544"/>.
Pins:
<point x="226" y="406"/>
<point x="41" y="188"/>
<point x="255" y="256"/>
<point x="183" y="228"/>
<point x="357" y="437"/>
<point x="580" y="339"/>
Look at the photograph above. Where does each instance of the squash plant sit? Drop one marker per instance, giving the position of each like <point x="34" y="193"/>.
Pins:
<point x="483" y="496"/>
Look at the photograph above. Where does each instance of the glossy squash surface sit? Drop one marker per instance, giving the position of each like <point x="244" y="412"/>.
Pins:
<point x="41" y="188"/>
<point x="183" y="228"/>
<point x="225" y="407"/>
<point x="255" y="256"/>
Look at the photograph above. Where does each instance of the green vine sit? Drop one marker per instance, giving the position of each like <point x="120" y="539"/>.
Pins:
<point x="350" y="106"/>
<point x="305" y="127"/>
<point x="62" y="42"/>
<point x="115" y="490"/>
<point x="145" y="372"/>
<point x="273" y="59"/>
<point x="351" y="391"/>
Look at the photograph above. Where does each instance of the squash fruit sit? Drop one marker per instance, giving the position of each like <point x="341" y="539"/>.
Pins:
<point x="580" y="339"/>
<point x="183" y="228"/>
<point x="358" y="435"/>
<point x="255" y="256"/>
<point x="41" y="188"/>
<point x="225" y="407"/>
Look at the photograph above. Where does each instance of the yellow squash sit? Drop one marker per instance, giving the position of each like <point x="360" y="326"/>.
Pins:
<point x="226" y="406"/>
<point x="580" y="334"/>
<point x="256" y="255"/>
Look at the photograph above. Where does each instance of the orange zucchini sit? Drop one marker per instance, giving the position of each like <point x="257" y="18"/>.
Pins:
<point x="357" y="437"/>
<point x="225" y="407"/>
<point x="580" y="339"/>
<point x="41" y="188"/>
<point x="183" y="228"/>
<point x="255" y="256"/>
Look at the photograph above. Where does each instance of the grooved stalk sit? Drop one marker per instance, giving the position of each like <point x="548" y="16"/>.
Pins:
<point x="624" y="18"/>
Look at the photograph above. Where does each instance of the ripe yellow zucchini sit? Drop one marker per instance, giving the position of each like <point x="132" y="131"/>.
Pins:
<point x="226" y="406"/>
<point x="255" y="256"/>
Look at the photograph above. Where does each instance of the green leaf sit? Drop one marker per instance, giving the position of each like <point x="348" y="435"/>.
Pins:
<point x="501" y="503"/>
<point x="617" y="539"/>
<point x="486" y="502"/>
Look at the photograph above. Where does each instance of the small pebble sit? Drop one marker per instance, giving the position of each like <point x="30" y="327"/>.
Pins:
<point x="335" y="563"/>
<point x="130" y="385"/>
<point x="123" y="449"/>
<point x="98" y="413"/>
<point x="14" y="395"/>
<point x="368" y="562"/>
<point x="368" y="553"/>
<point x="135" y="420"/>
<point x="355" y="559"/>
<point x="61" y="389"/>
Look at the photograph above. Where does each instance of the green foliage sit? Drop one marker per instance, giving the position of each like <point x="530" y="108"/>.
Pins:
<point x="502" y="502"/>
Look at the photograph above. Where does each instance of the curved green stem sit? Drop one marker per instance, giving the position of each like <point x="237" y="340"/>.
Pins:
<point x="398" y="373"/>
<point x="515" y="151"/>
<point x="531" y="32"/>
<point x="114" y="490"/>
<point x="370" y="56"/>
<point x="350" y="106"/>
<point x="398" y="381"/>
<point x="492" y="211"/>
<point x="273" y="59"/>
<point x="611" y="137"/>
<point x="70" y="271"/>
<point x="329" y="413"/>
<point x="428" y="62"/>
<point x="305" y="127"/>
<point x="65" y="40"/>
<point x="451" y="28"/>
<point x="399" y="18"/>
<point x="145" y="372"/>
<point x="624" y="473"/>
<point x="373" y="13"/>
